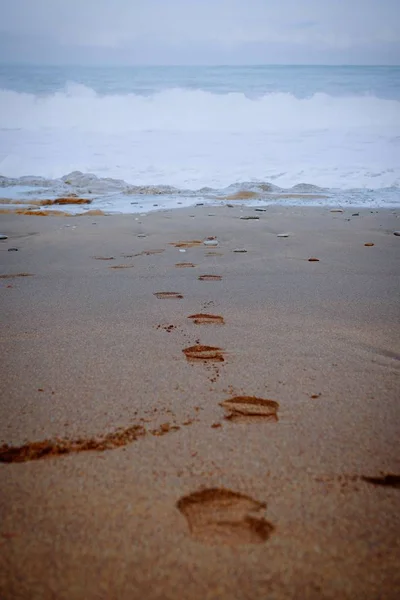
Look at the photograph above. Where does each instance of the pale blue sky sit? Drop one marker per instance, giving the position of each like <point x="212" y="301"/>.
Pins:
<point x="200" y="31"/>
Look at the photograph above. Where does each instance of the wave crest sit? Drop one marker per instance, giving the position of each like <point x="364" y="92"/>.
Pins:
<point x="81" y="108"/>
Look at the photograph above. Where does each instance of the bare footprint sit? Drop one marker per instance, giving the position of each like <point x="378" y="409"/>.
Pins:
<point x="167" y="295"/>
<point x="246" y="408"/>
<point x="203" y="353"/>
<point x="220" y="516"/>
<point x="51" y="448"/>
<point x="205" y="319"/>
<point x="184" y="265"/>
<point x="210" y="277"/>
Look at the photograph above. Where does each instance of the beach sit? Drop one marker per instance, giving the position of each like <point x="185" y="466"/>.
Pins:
<point x="192" y="408"/>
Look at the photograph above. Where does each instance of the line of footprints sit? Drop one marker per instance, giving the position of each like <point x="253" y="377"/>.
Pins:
<point x="214" y="515"/>
<point x="219" y="515"/>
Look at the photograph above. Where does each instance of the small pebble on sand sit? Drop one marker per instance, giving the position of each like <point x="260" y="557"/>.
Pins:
<point x="396" y="233"/>
<point x="240" y="250"/>
<point x="369" y="244"/>
<point x="3" y="237"/>
<point x="13" y="249"/>
<point x="210" y="242"/>
<point x="336" y="210"/>
<point x="282" y="235"/>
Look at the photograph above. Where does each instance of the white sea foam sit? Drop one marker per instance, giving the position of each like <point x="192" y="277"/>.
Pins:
<point x="194" y="138"/>
<point x="180" y="110"/>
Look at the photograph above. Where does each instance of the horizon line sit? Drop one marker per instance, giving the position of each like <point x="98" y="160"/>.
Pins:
<point x="196" y="65"/>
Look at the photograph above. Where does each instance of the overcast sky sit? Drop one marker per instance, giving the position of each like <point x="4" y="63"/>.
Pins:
<point x="200" y="31"/>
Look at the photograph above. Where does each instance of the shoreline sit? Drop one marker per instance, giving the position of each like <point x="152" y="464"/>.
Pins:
<point x="50" y="207"/>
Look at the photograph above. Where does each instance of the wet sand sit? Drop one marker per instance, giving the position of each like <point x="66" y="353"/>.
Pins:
<point x="168" y="434"/>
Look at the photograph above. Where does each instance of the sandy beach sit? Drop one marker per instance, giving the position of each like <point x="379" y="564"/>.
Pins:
<point x="180" y="420"/>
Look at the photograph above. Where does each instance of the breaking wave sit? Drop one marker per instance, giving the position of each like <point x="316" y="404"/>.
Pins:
<point x="81" y="108"/>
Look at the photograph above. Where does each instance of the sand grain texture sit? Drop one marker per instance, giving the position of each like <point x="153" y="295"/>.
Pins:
<point x="201" y="507"/>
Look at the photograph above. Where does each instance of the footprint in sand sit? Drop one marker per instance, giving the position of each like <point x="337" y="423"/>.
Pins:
<point x="51" y="448"/>
<point x="204" y="353"/>
<point x="209" y="277"/>
<point x="250" y="408"/>
<point x="184" y="265"/>
<point x="205" y="319"/>
<point x="168" y="295"/>
<point x="220" y="516"/>
<point x="121" y="267"/>
<point x="149" y="252"/>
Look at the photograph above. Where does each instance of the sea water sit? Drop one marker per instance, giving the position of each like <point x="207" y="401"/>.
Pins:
<point x="148" y="138"/>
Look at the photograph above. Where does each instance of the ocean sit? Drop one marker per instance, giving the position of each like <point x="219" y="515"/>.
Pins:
<point x="150" y="138"/>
